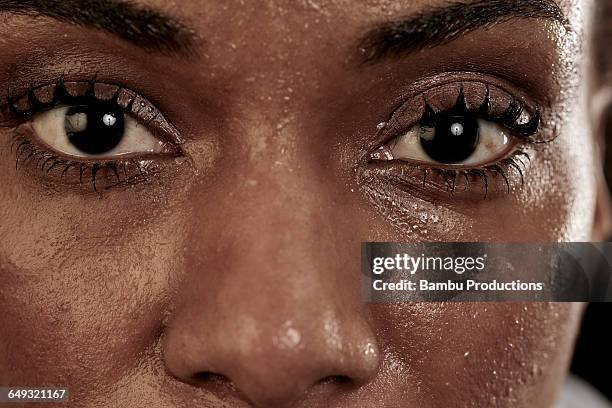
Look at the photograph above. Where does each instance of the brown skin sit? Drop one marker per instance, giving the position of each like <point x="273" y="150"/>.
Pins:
<point x="231" y="279"/>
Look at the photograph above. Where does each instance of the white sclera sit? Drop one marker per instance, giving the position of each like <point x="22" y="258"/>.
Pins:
<point x="492" y="144"/>
<point x="50" y="127"/>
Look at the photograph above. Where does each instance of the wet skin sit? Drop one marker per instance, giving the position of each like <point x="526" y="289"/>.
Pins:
<point x="225" y="273"/>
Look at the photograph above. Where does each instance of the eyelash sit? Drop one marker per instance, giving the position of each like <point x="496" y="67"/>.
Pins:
<point x="517" y="161"/>
<point x="25" y="148"/>
<point x="450" y="176"/>
<point x="125" y="171"/>
<point x="507" y="118"/>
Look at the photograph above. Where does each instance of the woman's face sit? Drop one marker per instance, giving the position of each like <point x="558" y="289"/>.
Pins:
<point x="209" y="253"/>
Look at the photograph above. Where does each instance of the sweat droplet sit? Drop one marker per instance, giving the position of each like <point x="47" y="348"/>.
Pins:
<point x="370" y="350"/>
<point x="383" y="154"/>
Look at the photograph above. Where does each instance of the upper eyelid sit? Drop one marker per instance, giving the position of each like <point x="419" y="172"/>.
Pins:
<point x="44" y="97"/>
<point x="409" y="111"/>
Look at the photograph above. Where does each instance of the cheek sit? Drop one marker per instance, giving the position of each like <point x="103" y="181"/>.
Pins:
<point x="82" y="296"/>
<point x="559" y="203"/>
<point x="578" y="186"/>
<point x="556" y="203"/>
<point x="480" y="355"/>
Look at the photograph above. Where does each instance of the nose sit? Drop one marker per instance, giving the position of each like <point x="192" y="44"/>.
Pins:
<point x="267" y="305"/>
<point x="276" y="364"/>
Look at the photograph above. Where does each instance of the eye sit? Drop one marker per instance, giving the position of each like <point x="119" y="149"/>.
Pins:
<point x="75" y="133"/>
<point x="96" y="130"/>
<point x="452" y="140"/>
<point x="460" y="137"/>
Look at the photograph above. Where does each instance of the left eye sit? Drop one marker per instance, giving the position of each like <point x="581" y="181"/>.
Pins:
<point x="95" y="130"/>
<point x="451" y="139"/>
<point x="460" y="136"/>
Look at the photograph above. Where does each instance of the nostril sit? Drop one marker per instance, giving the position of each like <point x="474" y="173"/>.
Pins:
<point x="328" y="386"/>
<point x="218" y="385"/>
<point x="211" y="379"/>
<point x="338" y="380"/>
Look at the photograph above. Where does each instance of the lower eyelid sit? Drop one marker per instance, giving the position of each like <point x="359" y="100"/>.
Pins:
<point x="81" y="176"/>
<point x="455" y="184"/>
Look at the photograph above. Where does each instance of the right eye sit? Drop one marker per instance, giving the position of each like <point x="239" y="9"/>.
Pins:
<point x="96" y="130"/>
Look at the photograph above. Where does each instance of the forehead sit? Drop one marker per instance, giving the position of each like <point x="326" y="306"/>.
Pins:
<point x="349" y="11"/>
<point x="337" y="25"/>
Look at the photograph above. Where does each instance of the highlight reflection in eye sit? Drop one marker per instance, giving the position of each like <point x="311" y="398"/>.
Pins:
<point x="98" y="130"/>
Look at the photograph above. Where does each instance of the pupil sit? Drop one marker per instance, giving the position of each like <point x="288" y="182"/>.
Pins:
<point x="455" y="138"/>
<point x="94" y="129"/>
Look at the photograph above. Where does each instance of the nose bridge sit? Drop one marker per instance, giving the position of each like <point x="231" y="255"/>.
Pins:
<point x="270" y="252"/>
<point x="272" y="208"/>
<point x="265" y="301"/>
<point x="272" y="228"/>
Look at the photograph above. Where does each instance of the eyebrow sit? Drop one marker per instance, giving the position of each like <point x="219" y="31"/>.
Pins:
<point x="438" y="26"/>
<point x="143" y="27"/>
